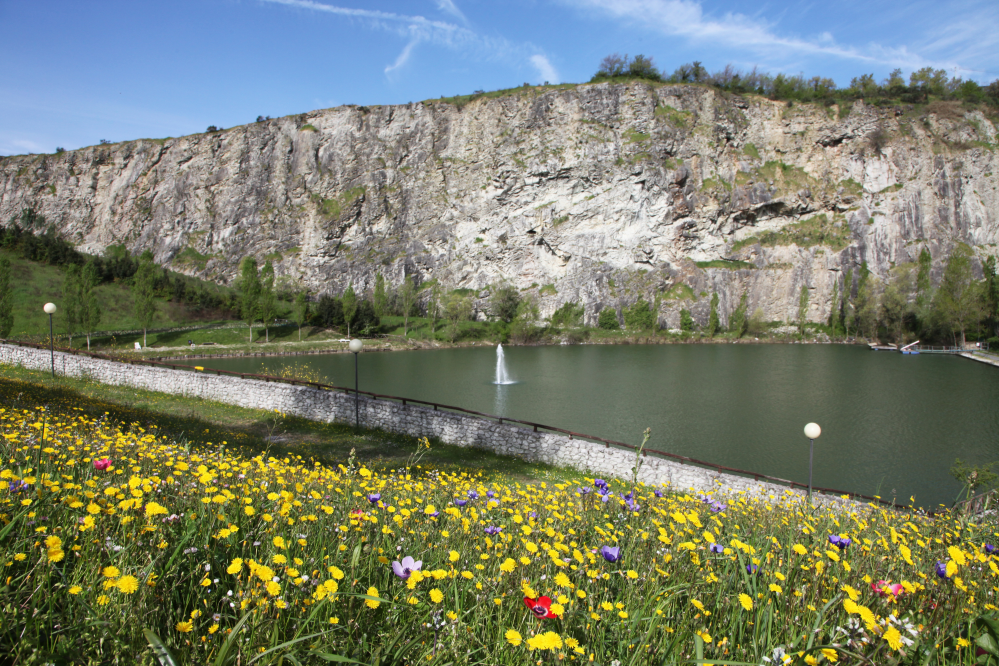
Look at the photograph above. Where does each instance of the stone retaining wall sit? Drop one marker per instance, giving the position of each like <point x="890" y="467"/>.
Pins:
<point x="448" y="427"/>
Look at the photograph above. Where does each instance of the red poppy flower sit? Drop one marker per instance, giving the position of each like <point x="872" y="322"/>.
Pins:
<point x="883" y="588"/>
<point x="541" y="607"/>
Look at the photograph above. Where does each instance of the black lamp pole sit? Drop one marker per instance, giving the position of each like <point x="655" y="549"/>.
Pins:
<point x="356" y="346"/>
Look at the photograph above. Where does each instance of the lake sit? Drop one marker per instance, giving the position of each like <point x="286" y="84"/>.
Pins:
<point x="892" y="425"/>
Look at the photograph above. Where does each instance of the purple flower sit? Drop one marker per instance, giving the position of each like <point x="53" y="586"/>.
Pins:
<point x="718" y="507"/>
<point x="990" y="549"/>
<point x="406" y="567"/>
<point x="941" y="570"/>
<point x="599" y="483"/>
<point x="533" y="514"/>
<point x="752" y="569"/>
<point x="473" y="495"/>
<point x="632" y="506"/>
<point x="840" y="542"/>
<point x="703" y="498"/>
<point x="491" y="494"/>
<point x="585" y="490"/>
<point x="717" y="548"/>
<point x="434" y="514"/>
<point x="493" y="530"/>
<point x="374" y="497"/>
<point x="460" y="502"/>
<point x="611" y="553"/>
<point x="17" y="486"/>
<point x="657" y="492"/>
<point x="604" y="491"/>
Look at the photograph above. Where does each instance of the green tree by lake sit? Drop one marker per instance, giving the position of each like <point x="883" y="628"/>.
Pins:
<point x="737" y="321"/>
<point x="143" y="293"/>
<point x="457" y="309"/>
<point x="607" y="320"/>
<point x="957" y="304"/>
<point x="6" y="299"/>
<point x="349" y="300"/>
<point x="248" y="286"/>
<point x="686" y="321"/>
<point x="70" y="308"/>
<point x="380" y="298"/>
<point x="895" y="301"/>
<point x="407" y="300"/>
<point x="89" y="303"/>
<point x="802" y="309"/>
<point x="640" y="316"/>
<point x="713" y="324"/>
<point x="503" y="302"/>
<point x="268" y="300"/>
<point x="301" y="311"/>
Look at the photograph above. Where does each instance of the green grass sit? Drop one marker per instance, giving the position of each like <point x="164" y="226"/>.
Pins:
<point x="680" y="291"/>
<point x="724" y="263"/>
<point x="818" y="230"/>
<point x="673" y="116"/>
<point x="750" y="150"/>
<point x="203" y="423"/>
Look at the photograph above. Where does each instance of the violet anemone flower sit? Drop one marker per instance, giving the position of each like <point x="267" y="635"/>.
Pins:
<point x="840" y="542"/>
<point x="632" y="506"/>
<point x="599" y="483"/>
<point x="434" y="514"/>
<point x="611" y="553"/>
<point x="752" y="569"/>
<point x="717" y="548"/>
<point x="657" y="492"/>
<point x="374" y="498"/>
<point x="990" y="549"/>
<point x="473" y="495"/>
<point x="490" y="494"/>
<point x="460" y="502"/>
<point x="584" y="490"/>
<point x="941" y="569"/>
<point x="493" y="530"/>
<point x="718" y="507"/>
<point x="406" y="567"/>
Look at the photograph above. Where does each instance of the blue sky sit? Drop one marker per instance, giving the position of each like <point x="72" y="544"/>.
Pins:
<point x="74" y="72"/>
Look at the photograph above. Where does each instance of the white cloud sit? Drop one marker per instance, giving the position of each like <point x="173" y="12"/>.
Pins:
<point x="403" y="57"/>
<point x="545" y="70"/>
<point x="449" y="7"/>
<point x="418" y="29"/>
<point x="686" y="18"/>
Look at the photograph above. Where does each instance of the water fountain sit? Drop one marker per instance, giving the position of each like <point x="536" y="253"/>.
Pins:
<point x="501" y="374"/>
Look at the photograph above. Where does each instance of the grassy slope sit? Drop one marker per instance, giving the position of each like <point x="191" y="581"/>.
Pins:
<point x="205" y="423"/>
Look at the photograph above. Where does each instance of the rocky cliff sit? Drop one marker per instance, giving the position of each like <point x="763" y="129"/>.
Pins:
<point x="594" y="193"/>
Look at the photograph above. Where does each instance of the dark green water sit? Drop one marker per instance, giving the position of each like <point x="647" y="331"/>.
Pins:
<point x="892" y="425"/>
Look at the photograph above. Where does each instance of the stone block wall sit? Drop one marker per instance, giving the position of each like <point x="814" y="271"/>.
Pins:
<point x="448" y="427"/>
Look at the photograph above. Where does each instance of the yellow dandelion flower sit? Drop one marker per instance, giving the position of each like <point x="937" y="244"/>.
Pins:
<point x="830" y="655"/>
<point x="436" y="596"/>
<point x="746" y="601"/>
<point x="128" y="584"/>
<point x="273" y="588"/>
<point x="373" y="603"/>
<point x="76" y="589"/>
<point x="111" y="572"/>
<point x="893" y="637"/>
<point x="513" y="637"/>
<point x="184" y="627"/>
<point x="235" y="566"/>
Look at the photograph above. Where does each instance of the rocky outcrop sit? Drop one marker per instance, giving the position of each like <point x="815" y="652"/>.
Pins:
<point x="594" y="193"/>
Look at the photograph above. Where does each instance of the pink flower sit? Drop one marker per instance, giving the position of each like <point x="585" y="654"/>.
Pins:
<point x="883" y="587"/>
<point x="102" y="464"/>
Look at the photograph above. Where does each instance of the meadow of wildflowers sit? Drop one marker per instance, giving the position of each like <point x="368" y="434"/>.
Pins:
<point x="120" y="546"/>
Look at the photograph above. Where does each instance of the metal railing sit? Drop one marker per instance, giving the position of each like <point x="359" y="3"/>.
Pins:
<point x="501" y="420"/>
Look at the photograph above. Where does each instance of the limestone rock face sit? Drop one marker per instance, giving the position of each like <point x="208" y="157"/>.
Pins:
<point x="596" y="193"/>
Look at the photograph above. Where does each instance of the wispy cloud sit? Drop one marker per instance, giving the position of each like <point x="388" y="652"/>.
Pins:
<point x="449" y="7"/>
<point x="687" y="19"/>
<point x="419" y="29"/>
<point x="403" y="57"/>
<point x="546" y="72"/>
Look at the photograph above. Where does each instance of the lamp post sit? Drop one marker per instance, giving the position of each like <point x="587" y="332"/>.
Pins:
<point x="812" y="432"/>
<point x="50" y="309"/>
<point x="356" y="346"/>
